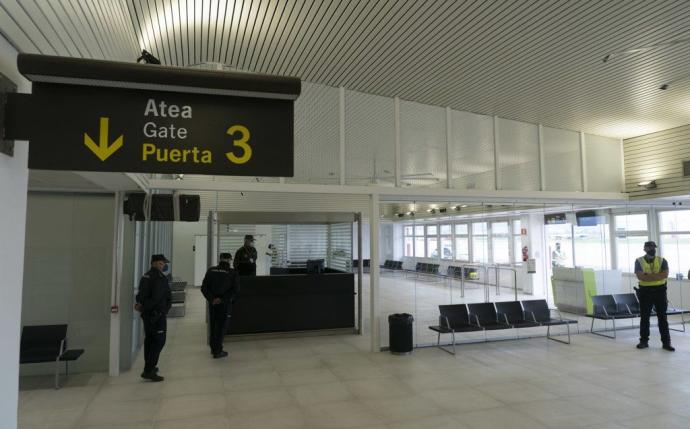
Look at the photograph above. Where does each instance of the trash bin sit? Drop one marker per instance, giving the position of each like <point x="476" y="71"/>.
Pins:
<point x="400" y="333"/>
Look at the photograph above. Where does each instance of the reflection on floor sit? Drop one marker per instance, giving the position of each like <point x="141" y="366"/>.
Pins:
<point x="335" y="382"/>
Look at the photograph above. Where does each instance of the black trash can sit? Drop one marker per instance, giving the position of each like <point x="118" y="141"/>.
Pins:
<point x="400" y="333"/>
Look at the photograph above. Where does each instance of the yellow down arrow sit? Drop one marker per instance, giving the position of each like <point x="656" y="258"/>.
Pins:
<point x="102" y="149"/>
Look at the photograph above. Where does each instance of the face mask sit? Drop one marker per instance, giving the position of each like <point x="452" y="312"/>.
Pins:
<point x="251" y="244"/>
<point x="165" y="268"/>
<point x="651" y="252"/>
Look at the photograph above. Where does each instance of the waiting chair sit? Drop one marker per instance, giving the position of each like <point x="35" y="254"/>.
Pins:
<point x="605" y="308"/>
<point x="453" y="318"/>
<point x="512" y="314"/>
<point x="537" y="310"/>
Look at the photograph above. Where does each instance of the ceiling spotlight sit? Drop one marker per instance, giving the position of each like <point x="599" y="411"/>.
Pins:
<point x="178" y="176"/>
<point x="432" y="211"/>
<point x="463" y="206"/>
<point x="442" y="210"/>
<point x="456" y="208"/>
<point x="400" y="214"/>
<point x="649" y="184"/>
<point x="410" y="213"/>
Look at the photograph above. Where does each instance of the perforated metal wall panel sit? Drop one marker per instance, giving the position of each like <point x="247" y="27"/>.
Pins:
<point x="369" y="139"/>
<point x="317" y="135"/>
<point x="472" y="151"/>
<point x="562" y="162"/>
<point x="518" y="155"/>
<point x="422" y="145"/>
<point x="279" y="240"/>
<point x="340" y="246"/>
<point x="232" y="237"/>
<point x="307" y="242"/>
<point x="603" y="164"/>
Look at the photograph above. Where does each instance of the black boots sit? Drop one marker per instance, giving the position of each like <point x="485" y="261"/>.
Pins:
<point x="152" y="376"/>
<point x="220" y="355"/>
<point x="643" y="345"/>
<point x="668" y="347"/>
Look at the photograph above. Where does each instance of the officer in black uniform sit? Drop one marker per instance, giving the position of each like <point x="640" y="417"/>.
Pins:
<point x="219" y="287"/>
<point x="154" y="301"/>
<point x="245" y="257"/>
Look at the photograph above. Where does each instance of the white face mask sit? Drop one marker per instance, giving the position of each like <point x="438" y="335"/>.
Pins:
<point x="251" y="244"/>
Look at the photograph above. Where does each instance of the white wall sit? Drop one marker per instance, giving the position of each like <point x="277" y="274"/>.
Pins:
<point x="13" y="186"/>
<point x="183" y="249"/>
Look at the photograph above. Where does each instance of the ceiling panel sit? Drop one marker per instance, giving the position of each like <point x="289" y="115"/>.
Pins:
<point x="536" y="61"/>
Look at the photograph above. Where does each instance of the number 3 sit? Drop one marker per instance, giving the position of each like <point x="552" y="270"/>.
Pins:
<point x="241" y="143"/>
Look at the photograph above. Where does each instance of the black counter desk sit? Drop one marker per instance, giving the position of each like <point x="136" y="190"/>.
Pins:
<point x="291" y="300"/>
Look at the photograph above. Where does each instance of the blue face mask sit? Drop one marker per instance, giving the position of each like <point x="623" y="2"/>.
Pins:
<point x="165" y="268"/>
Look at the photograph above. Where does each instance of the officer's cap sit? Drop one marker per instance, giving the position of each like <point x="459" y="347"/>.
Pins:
<point x="249" y="237"/>
<point x="649" y="244"/>
<point x="159" y="257"/>
<point x="225" y="256"/>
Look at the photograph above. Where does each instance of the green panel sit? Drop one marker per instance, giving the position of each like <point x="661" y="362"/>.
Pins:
<point x="590" y="286"/>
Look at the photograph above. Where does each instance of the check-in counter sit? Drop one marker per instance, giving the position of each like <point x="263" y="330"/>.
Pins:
<point x="291" y="300"/>
<point x="574" y="287"/>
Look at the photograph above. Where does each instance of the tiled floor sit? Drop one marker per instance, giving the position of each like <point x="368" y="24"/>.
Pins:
<point x="335" y="382"/>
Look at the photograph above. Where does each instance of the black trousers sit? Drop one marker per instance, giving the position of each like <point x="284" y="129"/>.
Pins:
<point x="154" y="340"/>
<point x="217" y="315"/>
<point x="653" y="297"/>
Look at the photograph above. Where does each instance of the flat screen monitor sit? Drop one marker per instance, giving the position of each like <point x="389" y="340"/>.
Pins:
<point x="588" y="218"/>
<point x="315" y="266"/>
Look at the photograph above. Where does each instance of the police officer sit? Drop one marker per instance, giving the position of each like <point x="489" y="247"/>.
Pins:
<point x="219" y="287"/>
<point x="154" y="301"/>
<point x="652" y="271"/>
<point x="245" y="257"/>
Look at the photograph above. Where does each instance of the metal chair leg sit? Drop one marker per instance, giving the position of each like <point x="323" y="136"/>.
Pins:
<point x="57" y="374"/>
<point x="599" y="333"/>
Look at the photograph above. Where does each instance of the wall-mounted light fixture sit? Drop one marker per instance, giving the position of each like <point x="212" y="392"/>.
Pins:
<point x="648" y="184"/>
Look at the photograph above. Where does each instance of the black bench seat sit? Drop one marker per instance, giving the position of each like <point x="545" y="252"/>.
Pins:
<point x="453" y="318"/>
<point x="47" y="343"/>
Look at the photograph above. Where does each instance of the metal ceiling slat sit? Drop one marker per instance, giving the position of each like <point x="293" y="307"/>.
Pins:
<point x="288" y="53"/>
<point x="109" y="12"/>
<point x="283" y="20"/>
<point x="159" y="7"/>
<point x="282" y="42"/>
<point x="240" y="47"/>
<point x="412" y="43"/>
<point x="155" y="48"/>
<point x="333" y="50"/>
<point x="97" y="23"/>
<point x="166" y="11"/>
<point x="86" y="24"/>
<point x="263" y="35"/>
<point x="16" y="12"/>
<point x="504" y="20"/>
<point x="579" y="65"/>
<point x="335" y="77"/>
<point x="329" y="30"/>
<point x="230" y="27"/>
<point x="15" y="34"/>
<point x="313" y="32"/>
<point x="65" y="26"/>
<point x="125" y="26"/>
<point x="246" y="47"/>
<point x="56" y="27"/>
<point x="536" y="65"/>
<point x="237" y="26"/>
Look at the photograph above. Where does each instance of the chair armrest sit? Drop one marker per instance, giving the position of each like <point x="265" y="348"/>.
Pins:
<point x="478" y="325"/>
<point x="447" y="322"/>
<point x="62" y="349"/>
<point x="627" y="307"/>
<point x="560" y="316"/>
<point x="505" y="317"/>
<point x="534" y="317"/>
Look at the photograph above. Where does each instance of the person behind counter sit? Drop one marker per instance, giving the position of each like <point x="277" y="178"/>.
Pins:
<point x="219" y="287"/>
<point x="245" y="257"/>
<point x="153" y="301"/>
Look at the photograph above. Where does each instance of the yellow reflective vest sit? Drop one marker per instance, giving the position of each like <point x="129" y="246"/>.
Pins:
<point x="651" y="267"/>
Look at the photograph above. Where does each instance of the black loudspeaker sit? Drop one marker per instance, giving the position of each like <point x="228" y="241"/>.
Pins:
<point x="134" y="206"/>
<point x="189" y="208"/>
<point x="162" y="208"/>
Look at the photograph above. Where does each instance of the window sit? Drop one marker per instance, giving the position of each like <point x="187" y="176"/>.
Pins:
<point x="480" y="242"/>
<point x="559" y="238"/>
<point x="446" y="241"/>
<point x="500" y="242"/>
<point x="592" y="245"/>
<point x="462" y="242"/>
<point x="419" y="246"/>
<point x="432" y="241"/>
<point x="631" y="234"/>
<point x="674" y="234"/>
<point x="408" y="232"/>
